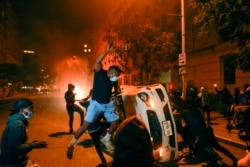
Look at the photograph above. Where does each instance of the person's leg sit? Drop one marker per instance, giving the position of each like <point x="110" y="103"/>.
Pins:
<point x="215" y="144"/>
<point x="92" y="113"/>
<point x="80" y="112"/>
<point x="70" y="111"/>
<point x="113" y="127"/>
<point x="112" y="117"/>
<point x="225" y="151"/>
<point x="96" y="139"/>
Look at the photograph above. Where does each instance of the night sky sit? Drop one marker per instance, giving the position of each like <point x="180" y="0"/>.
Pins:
<point x="57" y="28"/>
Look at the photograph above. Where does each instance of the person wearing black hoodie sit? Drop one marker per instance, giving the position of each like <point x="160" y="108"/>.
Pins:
<point x="14" y="141"/>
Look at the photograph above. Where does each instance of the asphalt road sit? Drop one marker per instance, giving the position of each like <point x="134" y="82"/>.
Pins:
<point x="50" y="123"/>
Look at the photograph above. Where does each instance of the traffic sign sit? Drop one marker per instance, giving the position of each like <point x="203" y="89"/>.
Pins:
<point x="182" y="59"/>
<point x="182" y="70"/>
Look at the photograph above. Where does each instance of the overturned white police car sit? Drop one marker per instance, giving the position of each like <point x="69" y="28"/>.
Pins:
<point x="151" y="104"/>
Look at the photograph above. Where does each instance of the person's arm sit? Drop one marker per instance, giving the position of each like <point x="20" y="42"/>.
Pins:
<point x="88" y="96"/>
<point x="98" y="63"/>
<point x="16" y="147"/>
<point x="217" y="91"/>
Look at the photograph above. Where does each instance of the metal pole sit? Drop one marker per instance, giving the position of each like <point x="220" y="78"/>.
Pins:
<point x="183" y="39"/>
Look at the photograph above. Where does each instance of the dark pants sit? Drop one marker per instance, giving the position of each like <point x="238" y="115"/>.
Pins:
<point x="204" y="150"/>
<point x="71" y="111"/>
<point x="96" y="139"/>
<point x="215" y="144"/>
<point x="206" y="110"/>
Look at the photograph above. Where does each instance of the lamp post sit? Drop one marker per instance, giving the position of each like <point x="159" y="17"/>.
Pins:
<point x="182" y="56"/>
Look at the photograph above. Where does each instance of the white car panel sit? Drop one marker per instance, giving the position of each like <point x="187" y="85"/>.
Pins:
<point x="151" y="104"/>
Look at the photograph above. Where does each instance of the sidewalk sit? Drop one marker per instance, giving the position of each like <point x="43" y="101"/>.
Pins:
<point x="219" y="124"/>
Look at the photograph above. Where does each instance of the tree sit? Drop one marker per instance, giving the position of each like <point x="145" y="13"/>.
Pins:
<point x="10" y="73"/>
<point x="150" y="49"/>
<point x="231" y="21"/>
<point x="9" y="34"/>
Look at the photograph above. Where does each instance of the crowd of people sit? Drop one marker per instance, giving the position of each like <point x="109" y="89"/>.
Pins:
<point x="193" y="122"/>
<point x="132" y="141"/>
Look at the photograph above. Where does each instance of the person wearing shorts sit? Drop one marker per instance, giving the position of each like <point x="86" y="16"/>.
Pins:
<point x="104" y="82"/>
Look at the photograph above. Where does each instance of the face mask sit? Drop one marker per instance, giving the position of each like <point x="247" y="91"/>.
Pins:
<point x="113" y="79"/>
<point x="28" y="114"/>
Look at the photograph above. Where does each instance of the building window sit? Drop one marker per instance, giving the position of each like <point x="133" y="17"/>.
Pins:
<point x="229" y="69"/>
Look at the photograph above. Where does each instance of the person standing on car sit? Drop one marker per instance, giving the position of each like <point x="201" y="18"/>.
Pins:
<point x="95" y="129"/>
<point x="104" y="82"/>
<point x="14" y="141"/>
<point x="71" y="107"/>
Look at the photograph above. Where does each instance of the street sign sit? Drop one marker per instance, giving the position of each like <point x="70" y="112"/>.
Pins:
<point x="182" y="59"/>
<point x="182" y="70"/>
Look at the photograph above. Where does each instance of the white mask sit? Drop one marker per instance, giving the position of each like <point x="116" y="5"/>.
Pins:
<point x="28" y="114"/>
<point x="113" y="79"/>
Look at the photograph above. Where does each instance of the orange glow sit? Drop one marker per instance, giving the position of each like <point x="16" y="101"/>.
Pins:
<point x="80" y="93"/>
<point x="74" y="70"/>
<point x="158" y="154"/>
<point x="161" y="152"/>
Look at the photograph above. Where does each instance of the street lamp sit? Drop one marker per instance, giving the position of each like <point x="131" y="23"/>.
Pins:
<point x="87" y="50"/>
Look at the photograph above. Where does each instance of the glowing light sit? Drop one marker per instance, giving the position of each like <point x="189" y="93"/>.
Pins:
<point x="171" y="86"/>
<point x="158" y="154"/>
<point x="29" y="51"/>
<point x="161" y="152"/>
<point x="79" y="93"/>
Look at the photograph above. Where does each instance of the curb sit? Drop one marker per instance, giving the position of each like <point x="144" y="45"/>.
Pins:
<point x="237" y="144"/>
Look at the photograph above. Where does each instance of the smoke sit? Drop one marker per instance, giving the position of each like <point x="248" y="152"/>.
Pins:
<point x="58" y="29"/>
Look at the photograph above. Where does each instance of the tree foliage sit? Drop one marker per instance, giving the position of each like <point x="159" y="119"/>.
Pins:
<point x="150" y="49"/>
<point x="11" y="72"/>
<point x="231" y="19"/>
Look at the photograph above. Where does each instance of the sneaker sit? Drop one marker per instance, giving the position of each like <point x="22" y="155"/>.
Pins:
<point x="106" y="143"/>
<point x="70" y="152"/>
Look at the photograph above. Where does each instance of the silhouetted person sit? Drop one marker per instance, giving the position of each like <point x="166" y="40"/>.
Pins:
<point x="226" y="99"/>
<point x="71" y="107"/>
<point x="133" y="146"/>
<point x="205" y="103"/>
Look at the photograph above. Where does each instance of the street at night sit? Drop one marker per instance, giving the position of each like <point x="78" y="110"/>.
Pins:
<point x="178" y="66"/>
<point x="50" y="123"/>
